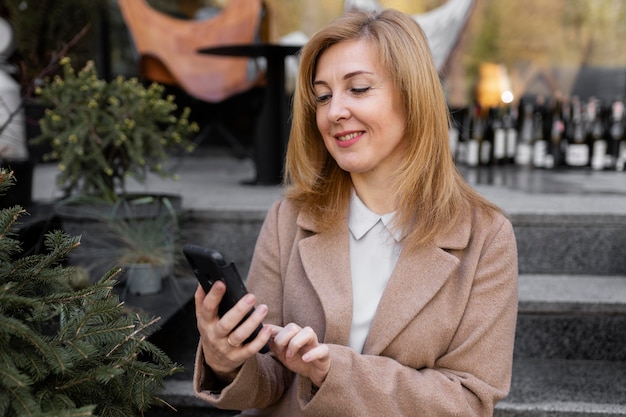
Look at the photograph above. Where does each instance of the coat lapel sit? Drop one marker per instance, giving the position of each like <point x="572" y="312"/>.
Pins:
<point x="326" y="262"/>
<point x="416" y="279"/>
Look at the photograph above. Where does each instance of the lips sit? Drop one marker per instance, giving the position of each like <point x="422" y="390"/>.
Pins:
<point x="347" y="139"/>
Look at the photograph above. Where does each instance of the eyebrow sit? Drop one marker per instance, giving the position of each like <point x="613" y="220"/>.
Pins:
<point x="345" y="77"/>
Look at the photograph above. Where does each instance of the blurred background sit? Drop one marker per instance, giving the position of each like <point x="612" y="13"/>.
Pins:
<point x="562" y="59"/>
<point x="545" y="48"/>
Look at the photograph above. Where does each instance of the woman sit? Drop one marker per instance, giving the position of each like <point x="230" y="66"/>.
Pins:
<point x="387" y="286"/>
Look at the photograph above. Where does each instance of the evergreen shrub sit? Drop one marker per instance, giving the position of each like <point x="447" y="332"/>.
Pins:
<point x="68" y="347"/>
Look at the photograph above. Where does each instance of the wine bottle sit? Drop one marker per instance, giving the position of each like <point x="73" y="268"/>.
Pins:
<point x="499" y="137"/>
<point x="540" y="144"/>
<point x="597" y="140"/>
<point x="523" y="153"/>
<point x="510" y="128"/>
<point x="616" y="133"/>
<point x="577" y="154"/>
<point x="476" y="135"/>
<point x="487" y="140"/>
<point x="558" y="144"/>
<point x="458" y="134"/>
<point x="568" y="125"/>
<point x="621" y="159"/>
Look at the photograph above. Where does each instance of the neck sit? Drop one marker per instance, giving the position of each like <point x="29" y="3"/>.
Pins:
<point x="376" y="195"/>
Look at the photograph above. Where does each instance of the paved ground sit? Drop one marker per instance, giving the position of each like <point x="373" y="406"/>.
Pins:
<point x="213" y="179"/>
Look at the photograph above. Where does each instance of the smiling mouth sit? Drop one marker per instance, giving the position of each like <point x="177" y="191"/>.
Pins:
<point x="348" y="136"/>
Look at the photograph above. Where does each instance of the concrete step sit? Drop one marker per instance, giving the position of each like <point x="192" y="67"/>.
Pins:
<point x="548" y="243"/>
<point x="563" y="293"/>
<point x="565" y="388"/>
<point x="591" y="243"/>
<point x="572" y="317"/>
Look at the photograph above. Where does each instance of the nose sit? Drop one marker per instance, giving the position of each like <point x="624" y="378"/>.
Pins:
<point x="338" y="109"/>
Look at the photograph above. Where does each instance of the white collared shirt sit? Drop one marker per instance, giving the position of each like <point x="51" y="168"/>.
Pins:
<point x="374" y="250"/>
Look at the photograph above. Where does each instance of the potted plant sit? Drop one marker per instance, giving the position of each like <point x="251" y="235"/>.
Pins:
<point x="101" y="133"/>
<point x="70" y="350"/>
<point x="144" y="248"/>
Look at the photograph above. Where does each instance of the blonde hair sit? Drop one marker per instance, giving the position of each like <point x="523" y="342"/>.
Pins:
<point x="431" y="193"/>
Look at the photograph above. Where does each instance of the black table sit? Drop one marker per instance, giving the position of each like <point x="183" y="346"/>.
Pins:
<point x="272" y="133"/>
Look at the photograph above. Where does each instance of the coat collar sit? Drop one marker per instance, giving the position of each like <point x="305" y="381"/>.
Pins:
<point x="417" y="277"/>
<point x="361" y="219"/>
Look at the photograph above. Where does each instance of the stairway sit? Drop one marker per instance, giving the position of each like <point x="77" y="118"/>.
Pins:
<point x="570" y="352"/>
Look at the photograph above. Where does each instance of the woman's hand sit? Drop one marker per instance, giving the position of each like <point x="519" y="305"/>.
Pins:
<point x="300" y="351"/>
<point x="221" y="342"/>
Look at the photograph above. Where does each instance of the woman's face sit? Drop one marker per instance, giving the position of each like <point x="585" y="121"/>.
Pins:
<point x="359" y="112"/>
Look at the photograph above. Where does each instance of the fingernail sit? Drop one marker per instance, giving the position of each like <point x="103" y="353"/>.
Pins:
<point x="249" y="299"/>
<point x="262" y="308"/>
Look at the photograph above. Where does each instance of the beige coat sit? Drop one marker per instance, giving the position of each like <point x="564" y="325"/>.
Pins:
<point x="441" y="343"/>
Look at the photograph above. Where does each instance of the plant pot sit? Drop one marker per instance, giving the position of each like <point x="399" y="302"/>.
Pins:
<point x="143" y="279"/>
<point x="98" y="243"/>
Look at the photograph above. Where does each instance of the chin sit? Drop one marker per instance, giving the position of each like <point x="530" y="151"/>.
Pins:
<point x="351" y="169"/>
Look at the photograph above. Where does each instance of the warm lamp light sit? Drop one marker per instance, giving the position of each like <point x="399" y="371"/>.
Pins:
<point x="507" y="97"/>
<point x="494" y="85"/>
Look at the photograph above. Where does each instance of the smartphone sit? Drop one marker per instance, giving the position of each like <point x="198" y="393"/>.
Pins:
<point x="209" y="265"/>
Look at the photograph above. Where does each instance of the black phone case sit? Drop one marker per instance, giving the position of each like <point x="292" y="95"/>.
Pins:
<point x="209" y="265"/>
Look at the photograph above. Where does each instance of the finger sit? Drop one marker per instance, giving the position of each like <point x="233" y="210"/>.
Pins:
<point x="214" y="296"/>
<point x="284" y="339"/>
<point x="199" y="299"/>
<point x="284" y="335"/>
<point x="305" y="338"/>
<point x="274" y="329"/>
<point x="208" y="307"/>
<point x="246" y="328"/>
<point x="231" y="342"/>
<point x="318" y="353"/>
<point x="235" y="315"/>
<point x="205" y="311"/>
<point x="259" y="341"/>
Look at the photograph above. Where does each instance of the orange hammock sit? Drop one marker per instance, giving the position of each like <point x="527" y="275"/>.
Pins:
<point x="167" y="48"/>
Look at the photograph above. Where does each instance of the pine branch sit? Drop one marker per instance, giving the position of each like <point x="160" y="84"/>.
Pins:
<point x="140" y="329"/>
<point x="67" y="352"/>
<point x="11" y="377"/>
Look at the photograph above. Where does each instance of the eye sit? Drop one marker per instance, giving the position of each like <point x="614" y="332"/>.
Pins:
<point x="322" y="98"/>
<point x="360" y="90"/>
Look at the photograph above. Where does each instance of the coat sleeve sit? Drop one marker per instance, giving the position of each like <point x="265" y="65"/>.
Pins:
<point x="262" y="379"/>
<point x="468" y="379"/>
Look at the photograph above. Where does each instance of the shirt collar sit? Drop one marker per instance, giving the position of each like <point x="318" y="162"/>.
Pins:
<point x="362" y="219"/>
